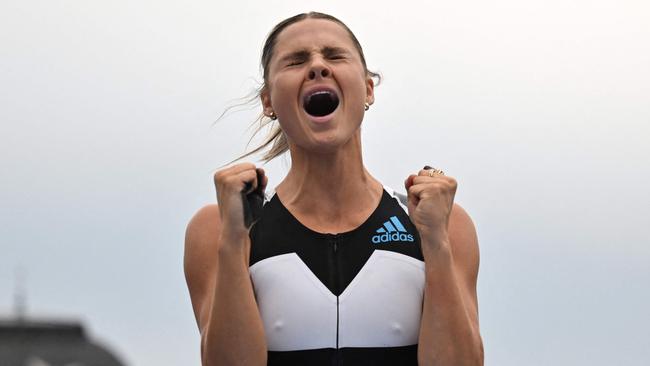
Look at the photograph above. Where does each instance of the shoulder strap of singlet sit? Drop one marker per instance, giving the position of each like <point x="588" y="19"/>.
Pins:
<point x="401" y="197"/>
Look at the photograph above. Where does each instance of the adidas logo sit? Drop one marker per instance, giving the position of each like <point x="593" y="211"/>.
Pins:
<point x="393" y="230"/>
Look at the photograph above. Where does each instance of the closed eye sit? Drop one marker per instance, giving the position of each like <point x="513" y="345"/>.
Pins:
<point x="295" y="62"/>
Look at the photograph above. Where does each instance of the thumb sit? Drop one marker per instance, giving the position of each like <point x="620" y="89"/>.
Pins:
<point x="408" y="182"/>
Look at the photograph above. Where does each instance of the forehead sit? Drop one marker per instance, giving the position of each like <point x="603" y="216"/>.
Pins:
<point x="313" y="34"/>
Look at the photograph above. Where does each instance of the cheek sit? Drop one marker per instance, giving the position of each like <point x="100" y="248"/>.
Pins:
<point x="283" y="98"/>
<point x="357" y="92"/>
<point x="355" y="82"/>
<point x="285" y="85"/>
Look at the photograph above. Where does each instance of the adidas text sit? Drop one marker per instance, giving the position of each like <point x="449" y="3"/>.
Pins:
<point x="387" y="237"/>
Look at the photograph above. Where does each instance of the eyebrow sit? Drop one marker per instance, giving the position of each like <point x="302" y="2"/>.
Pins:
<point x="304" y="53"/>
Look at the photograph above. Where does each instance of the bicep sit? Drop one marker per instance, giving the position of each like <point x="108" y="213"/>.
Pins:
<point x="465" y="250"/>
<point x="200" y="260"/>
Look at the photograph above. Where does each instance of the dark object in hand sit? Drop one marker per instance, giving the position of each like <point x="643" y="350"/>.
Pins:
<point x="253" y="201"/>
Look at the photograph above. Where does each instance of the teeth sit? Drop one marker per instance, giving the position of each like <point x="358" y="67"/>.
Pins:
<point x="307" y="97"/>
<point x="320" y="92"/>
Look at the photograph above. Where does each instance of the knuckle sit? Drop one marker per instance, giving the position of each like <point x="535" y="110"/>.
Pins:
<point x="225" y="180"/>
<point x="438" y="188"/>
<point x="247" y="174"/>
<point x="247" y="166"/>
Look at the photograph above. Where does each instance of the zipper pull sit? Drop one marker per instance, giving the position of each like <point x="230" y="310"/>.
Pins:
<point x="335" y="241"/>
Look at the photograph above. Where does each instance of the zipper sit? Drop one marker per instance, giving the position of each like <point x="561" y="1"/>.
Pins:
<point x="337" y="285"/>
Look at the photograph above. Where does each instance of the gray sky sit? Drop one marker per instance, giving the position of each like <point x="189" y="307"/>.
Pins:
<point x="540" y="109"/>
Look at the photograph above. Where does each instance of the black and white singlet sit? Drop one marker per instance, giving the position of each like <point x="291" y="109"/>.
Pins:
<point x="353" y="298"/>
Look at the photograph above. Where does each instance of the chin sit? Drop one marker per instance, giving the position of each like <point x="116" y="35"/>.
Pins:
<point x="330" y="144"/>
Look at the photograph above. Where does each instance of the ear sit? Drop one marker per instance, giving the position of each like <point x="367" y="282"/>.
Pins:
<point x="370" y="90"/>
<point x="266" y="101"/>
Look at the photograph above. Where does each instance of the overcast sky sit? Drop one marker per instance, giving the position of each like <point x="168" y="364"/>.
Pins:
<point x="540" y="109"/>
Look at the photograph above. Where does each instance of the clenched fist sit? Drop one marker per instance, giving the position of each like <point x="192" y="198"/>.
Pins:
<point x="232" y="185"/>
<point x="430" y="200"/>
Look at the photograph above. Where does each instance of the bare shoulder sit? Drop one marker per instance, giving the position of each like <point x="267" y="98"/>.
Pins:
<point x="464" y="243"/>
<point x="461" y="224"/>
<point x="200" y="259"/>
<point x="205" y="223"/>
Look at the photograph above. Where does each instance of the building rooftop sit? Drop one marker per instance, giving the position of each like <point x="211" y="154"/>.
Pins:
<point x="50" y="343"/>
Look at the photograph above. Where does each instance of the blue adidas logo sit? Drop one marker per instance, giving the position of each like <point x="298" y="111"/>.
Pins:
<point x="392" y="230"/>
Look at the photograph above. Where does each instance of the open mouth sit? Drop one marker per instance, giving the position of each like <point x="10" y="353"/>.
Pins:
<point x="320" y="103"/>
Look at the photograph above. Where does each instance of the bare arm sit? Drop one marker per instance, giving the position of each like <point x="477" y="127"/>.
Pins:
<point x="449" y="333"/>
<point x="216" y="270"/>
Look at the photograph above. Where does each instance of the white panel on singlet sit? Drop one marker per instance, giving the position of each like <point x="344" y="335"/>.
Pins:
<point x="298" y="311"/>
<point x="382" y="306"/>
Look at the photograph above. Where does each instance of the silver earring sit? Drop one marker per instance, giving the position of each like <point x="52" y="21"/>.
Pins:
<point x="366" y="106"/>
<point x="273" y="116"/>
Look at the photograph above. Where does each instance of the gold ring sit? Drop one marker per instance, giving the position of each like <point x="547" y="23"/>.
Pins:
<point x="433" y="171"/>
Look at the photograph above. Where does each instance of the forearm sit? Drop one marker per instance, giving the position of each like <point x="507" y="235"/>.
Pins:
<point x="447" y="334"/>
<point x="235" y="334"/>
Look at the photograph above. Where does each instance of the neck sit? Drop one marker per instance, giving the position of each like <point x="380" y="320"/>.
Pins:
<point x="329" y="186"/>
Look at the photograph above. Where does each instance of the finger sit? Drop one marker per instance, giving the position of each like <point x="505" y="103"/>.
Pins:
<point x="411" y="195"/>
<point x="429" y="172"/>
<point x="435" y="186"/>
<point x="420" y="191"/>
<point x="408" y="182"/>
<point x="238" y="168"/>
<point x="233" y="170"/>
<point x="248" y="180"/>
<point x="444" y="182"/>
<point x="427" y="179"/>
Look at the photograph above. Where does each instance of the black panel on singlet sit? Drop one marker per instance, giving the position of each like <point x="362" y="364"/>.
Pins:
<point x="395" y="356"/>
<point x="279" y="232"/>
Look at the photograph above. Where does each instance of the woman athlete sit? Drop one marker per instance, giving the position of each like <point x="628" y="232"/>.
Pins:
<point x="336" y="269"/>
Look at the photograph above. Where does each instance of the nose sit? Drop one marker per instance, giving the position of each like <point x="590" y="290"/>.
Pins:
<point x="318" y="69"/>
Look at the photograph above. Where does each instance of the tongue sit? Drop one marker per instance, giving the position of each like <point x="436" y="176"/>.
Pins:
<point x="321" y="104"/>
